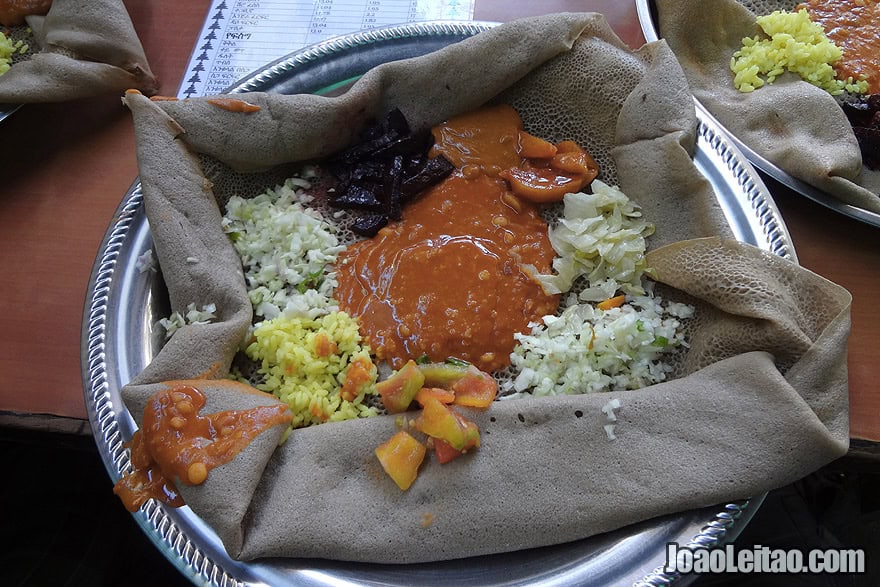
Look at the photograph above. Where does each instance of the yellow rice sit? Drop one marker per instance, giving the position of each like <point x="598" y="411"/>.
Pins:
<point x="8" y="47"/>
<point x="795" y="44"/>
<point x="285" y="349"/>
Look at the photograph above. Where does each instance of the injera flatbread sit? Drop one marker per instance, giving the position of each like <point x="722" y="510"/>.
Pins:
<point x="796" y="126"/>
<point x="762" y="401"/>
<point x="86" y="48"/>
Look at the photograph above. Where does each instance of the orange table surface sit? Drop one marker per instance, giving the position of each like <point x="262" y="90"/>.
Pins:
<point x="67" y="166"/>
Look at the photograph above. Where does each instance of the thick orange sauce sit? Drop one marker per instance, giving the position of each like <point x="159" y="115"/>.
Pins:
<point x="446" y="281"/>
<point x="176" y="442"/>
<point x="12" y="12"/>
<point x="854" y="26"/>
<point x="234" y="105"/>
<point x="480" y="141"/>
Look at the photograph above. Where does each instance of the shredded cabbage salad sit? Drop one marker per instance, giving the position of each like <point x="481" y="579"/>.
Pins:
<point x="600" y="236"/>
<point x="595" y="348"/>
<point x="193" y="315"/>
<point x="286" y="250"/>
<point x="588" y="350"/>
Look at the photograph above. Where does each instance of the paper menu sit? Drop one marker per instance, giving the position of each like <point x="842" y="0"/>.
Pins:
<point x="240" y="36"/>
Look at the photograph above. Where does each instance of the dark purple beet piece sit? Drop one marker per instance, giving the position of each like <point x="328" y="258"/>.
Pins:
<point x="358" y="197"/>
<point x="869" y="143"/>
<point x="369" y="224"/>
<point x="385" y="169"/>
<point x="430" y="171"/>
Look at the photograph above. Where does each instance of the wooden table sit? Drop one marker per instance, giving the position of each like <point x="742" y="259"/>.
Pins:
<point x="67" y="166"/>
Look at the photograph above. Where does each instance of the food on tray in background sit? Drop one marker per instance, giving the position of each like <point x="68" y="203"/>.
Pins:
<point x="833" y="45"/>
<point x="863" y="113"/>
<point x="794" y="43"/>
<point x="12" y="12"/>
<point x="70" y="49"/>
<point x="854" y="26"/>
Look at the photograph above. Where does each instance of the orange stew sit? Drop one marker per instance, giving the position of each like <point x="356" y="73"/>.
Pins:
<point x="12" y="12"/>
<point x="447" y="280"/>
<point x="175" y="442"/>
<point x="854" y="26"/>
<point x="234" y="105"/>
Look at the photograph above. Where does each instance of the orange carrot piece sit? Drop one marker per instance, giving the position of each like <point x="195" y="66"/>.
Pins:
<point x="532" y="147"/>
<point x="234" y="105"/>
<point x="614" y="302"/>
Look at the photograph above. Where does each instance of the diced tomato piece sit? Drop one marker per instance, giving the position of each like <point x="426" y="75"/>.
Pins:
<point x="401" y="456"/>
<point x="444" y="396"/>
<point x="444" y="452"/>
<point x="439" y="421"/>
<point x="442" y="374"/>
<point x="476" y="389"/>
<point x="397" y="392"/>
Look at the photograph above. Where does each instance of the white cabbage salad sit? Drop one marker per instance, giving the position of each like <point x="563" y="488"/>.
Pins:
<point x="287" y="250"/>
<point x="600" y="236"/>
<point x="607" y="346"/>
<point x="193" y="315"/>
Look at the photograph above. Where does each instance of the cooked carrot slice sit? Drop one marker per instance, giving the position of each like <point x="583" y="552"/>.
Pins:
<point x="234" y="105"/>
<point x="576" y="163"/>
<point x="542" y="185"/>
<point x="532" y="147"/>
<point x="614" y="302"/>
<point x="572" y="158"/>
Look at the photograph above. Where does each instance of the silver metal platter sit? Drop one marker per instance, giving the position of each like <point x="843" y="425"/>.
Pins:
<point x="647" y="12"/>
<point x="119" y="340"/>
<point x="6" y="110"/>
